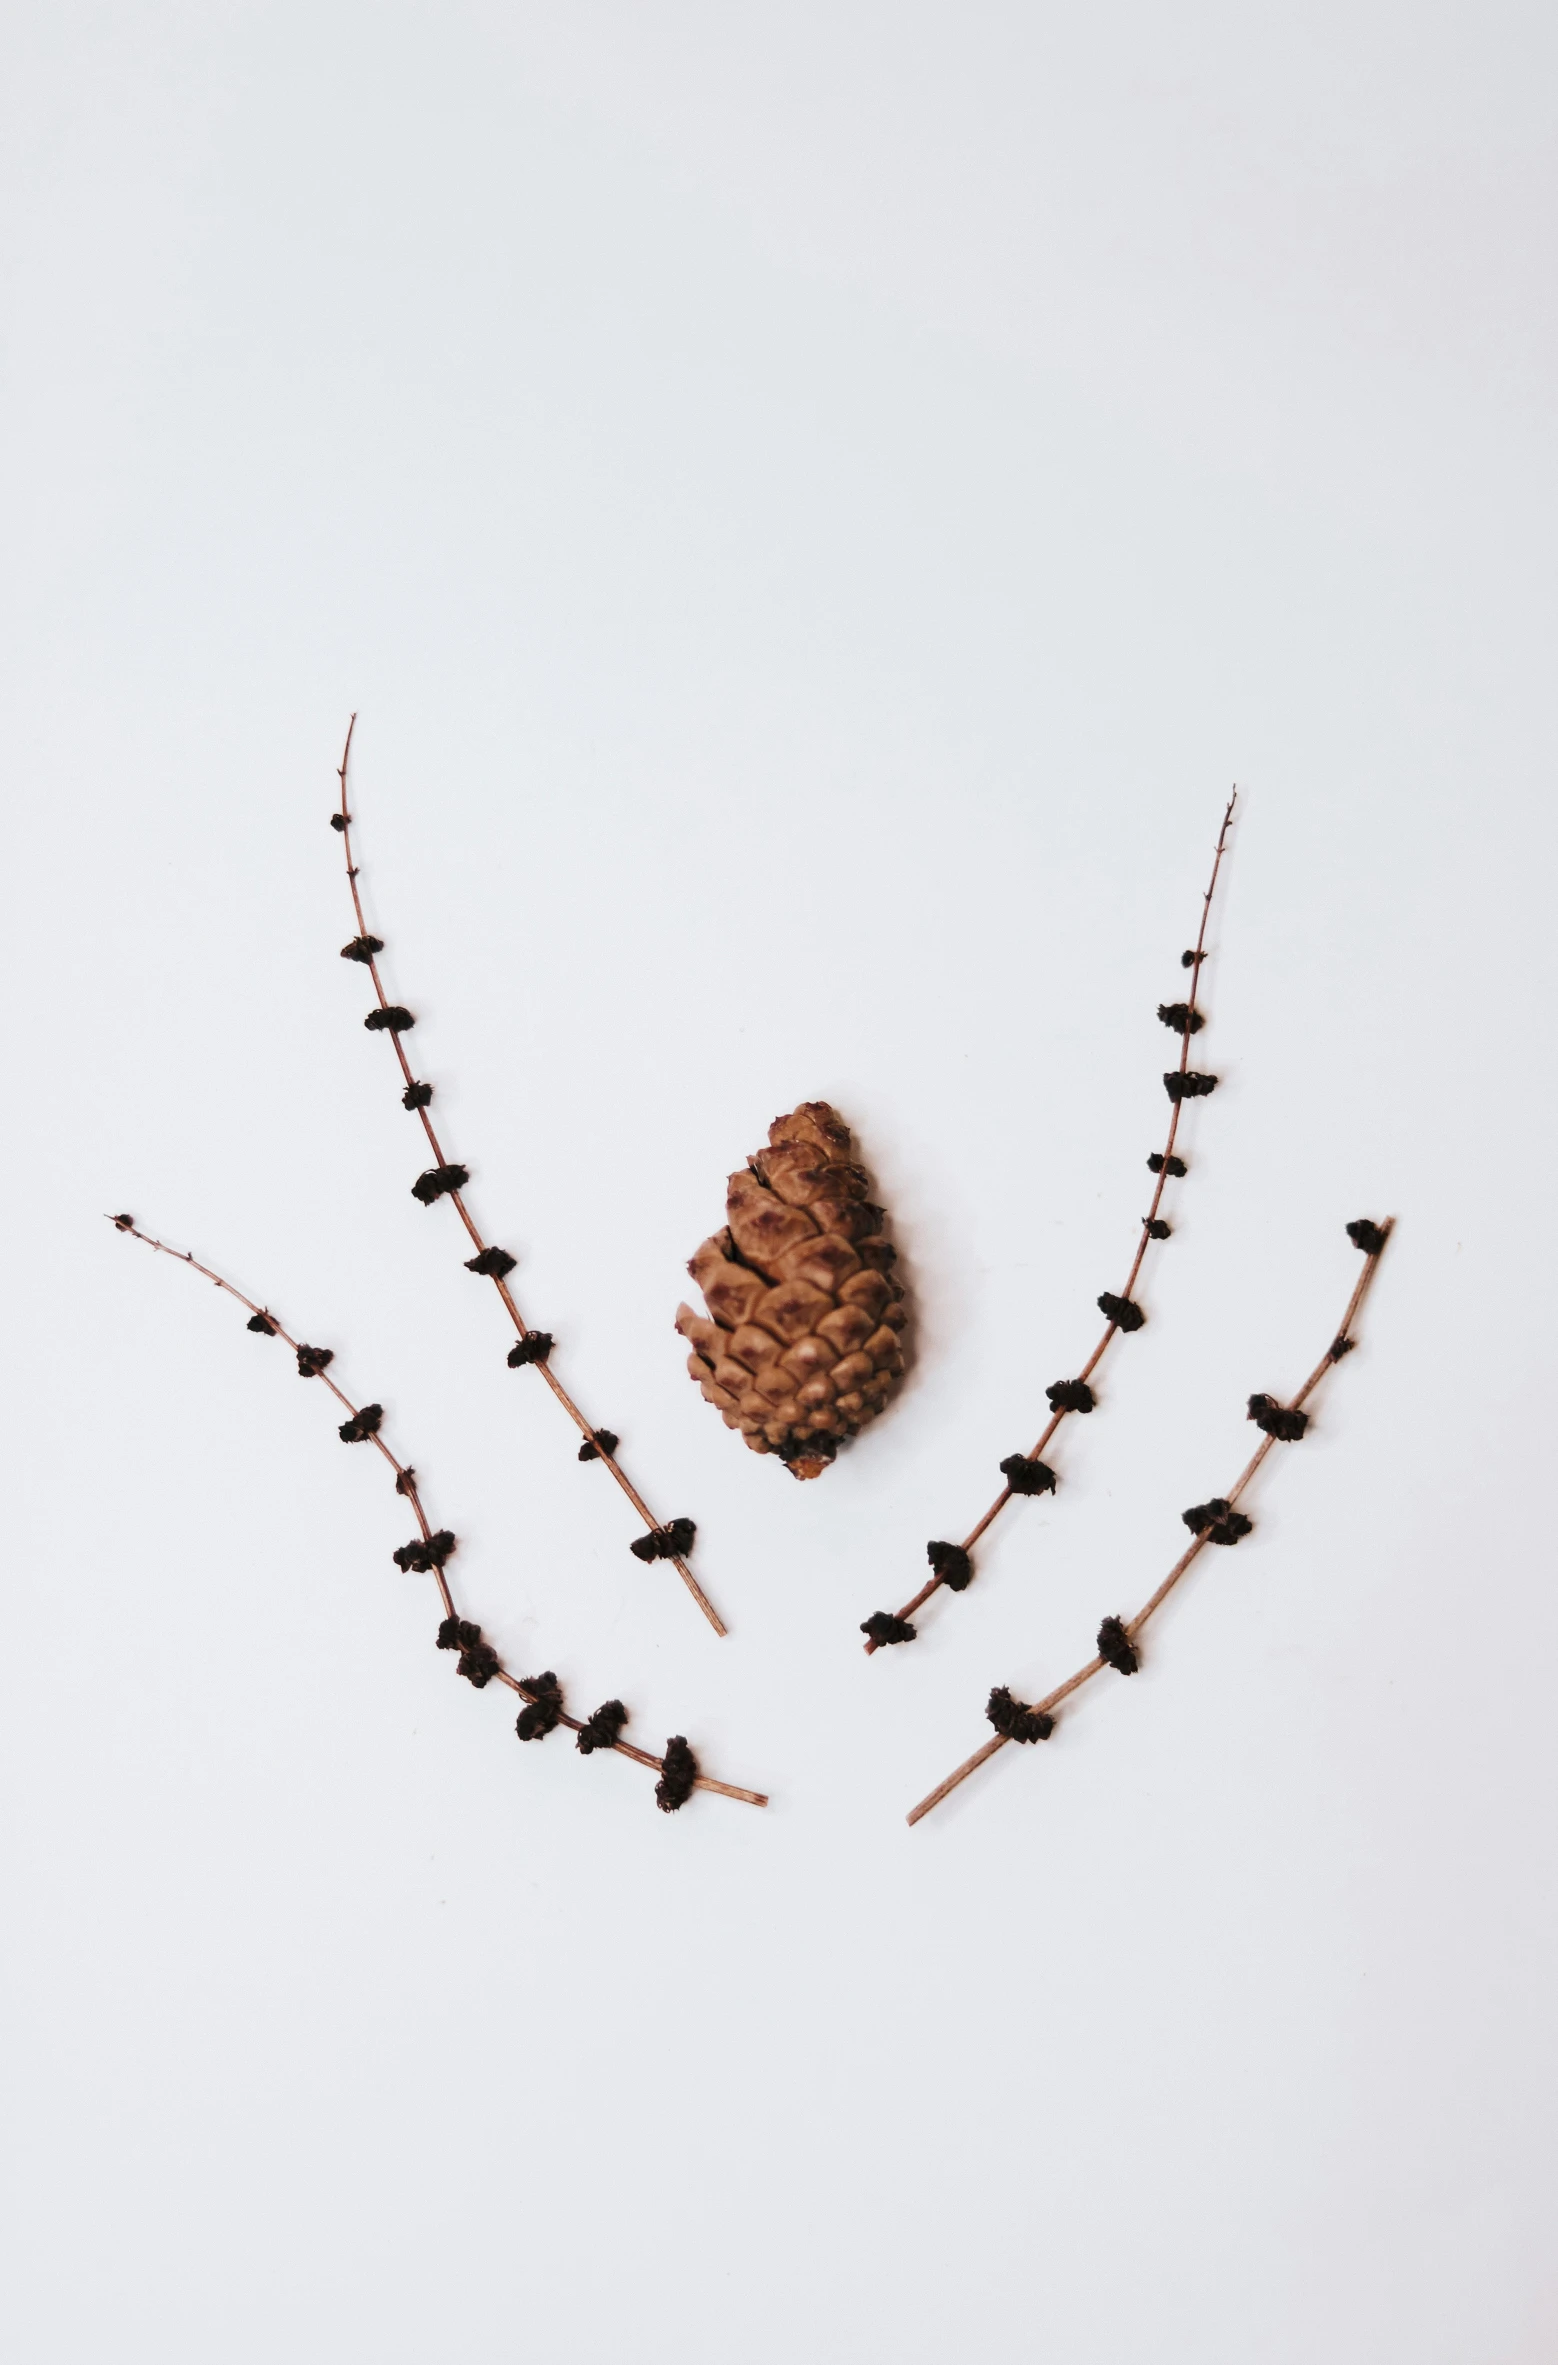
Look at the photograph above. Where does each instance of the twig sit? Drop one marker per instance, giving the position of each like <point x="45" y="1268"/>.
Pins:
<point x="1214" y="1522"/>
<point x="1029" y="1474"/>
<point x="447" y="1180"/>
<point x="427" y="1554"/>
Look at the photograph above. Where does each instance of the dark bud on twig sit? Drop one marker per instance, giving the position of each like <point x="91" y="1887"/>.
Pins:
<point x="406" y="1481"/>
<point x="392" y="1019"/>
<point x="604" y="1441"/>
<point x="124" y="1223"/>
<point x="1158" y="1164"/>
<point x="1070" y="1396"/>
<point x="542" y="1709"/>
<point x="1123" y="1312"/>
<point x="493" y="1263"/>
<point x="362" y="1425"/>
<point x="312" y="1361"/>
<point x="534" y="1347"/>
<point x="416" y="1096"/>
<point x="1116" y="1648"/>
<point x="478" y="1663"/>
<point x="1027" y="1478"/>
<point x="1276" y="1420"/>
<point x="680" y="1772"/>
<point x="438" y="1179"/>
<point x="263" y="1324"/>
<point x="600" y="1730"/>
<point x="1188" y="960"/>
<point x="1181" y="1018"/>
<point x="1341" y="1346"/>
<point x="425" y="1553"/>
<point x="1185" y="1084"/>
<point x="1156" y="1228"/>
<point x="1216" y="1522"/>
<point x="1369" y="1237"/>
<point x="339" y="820"/>
<point x="362" y="948"/>
<point x="883" y="1629"/>
<point x="1014" y="1721"/>
<point x="952" y="1565"/>
<point x="665" y="1543"/>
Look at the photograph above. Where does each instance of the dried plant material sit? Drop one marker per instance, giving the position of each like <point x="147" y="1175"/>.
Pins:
<point x="661" y="1543"/>
<point x="802" y="1342"/>
<point x="362" y="1425"/>
<point x="1025" y="1477"/>
<point x="1013" y="1721"/>
<point x="447" y="1179"/>
<point x="883" y="1628"/>
<point x="534" y="1347"/>
<point x="1116" y="1648"/>
<point x="1215" y="1522"/>
<point x="543" y="1709"/>
<point x="951" y="1564"/>
<point x="601" y="1730"/>
<point x="493" y="1264"/>
<point x="1278" y="1420"/>
<point x="675" y="1786"/>
<point x="1120" y="1308"/>
<point x="428" y="1554"/>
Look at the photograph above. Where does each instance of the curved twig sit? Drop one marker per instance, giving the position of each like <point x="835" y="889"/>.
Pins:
<point x="447" y="1179"/>
<point x="1214" y="1522"/>
<point x="477" y="1659"/>
<point x="1030" y="1474"/>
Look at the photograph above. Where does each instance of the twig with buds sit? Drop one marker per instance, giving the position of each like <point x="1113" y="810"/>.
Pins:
<point x="1218" y="1521"/>
<point x="447" y="1179"/>
<point x="952" y="1565"/>
<point x="429" y="1552"/>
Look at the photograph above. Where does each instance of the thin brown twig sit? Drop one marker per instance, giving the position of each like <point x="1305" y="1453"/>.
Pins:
<point x="1131" y="1627"/>
<point x="406" y="1486"/>
<point x="602" y="1453"/>
<point x="1193" y="961"/>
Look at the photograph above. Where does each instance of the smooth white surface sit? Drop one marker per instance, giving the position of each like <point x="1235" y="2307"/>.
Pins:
<point x="815" y="505"/>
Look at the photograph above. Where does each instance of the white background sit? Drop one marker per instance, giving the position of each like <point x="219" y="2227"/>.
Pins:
<point x="815" y="505"/>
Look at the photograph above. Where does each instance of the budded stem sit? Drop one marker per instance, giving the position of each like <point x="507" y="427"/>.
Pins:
<point x="1029" y="1473"/>
<point x="478" y="1660"/>
<point x="1215" y="1522"/>
<point x="448" y="1179"/>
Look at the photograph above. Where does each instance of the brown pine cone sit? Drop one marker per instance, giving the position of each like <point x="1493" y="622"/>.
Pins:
<point x="802" y="1345"/>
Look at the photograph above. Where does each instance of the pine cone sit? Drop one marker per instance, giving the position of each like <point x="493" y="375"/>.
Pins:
<point x="803" y="1346"/>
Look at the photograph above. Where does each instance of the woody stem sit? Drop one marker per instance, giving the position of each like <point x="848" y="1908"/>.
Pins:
<point x="457" y="1198"/>
<point x="1133" y="1626"/>
<point x="408" y="1488"/>
<point x="1148" y="1220"/>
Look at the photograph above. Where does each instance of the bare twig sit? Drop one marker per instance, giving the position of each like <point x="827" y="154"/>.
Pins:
<point x="447" y="1180"/>
<point x="1215" y="1522"/>
<point x="477" y="1659"/>
<point x="1029" y="1473"/>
